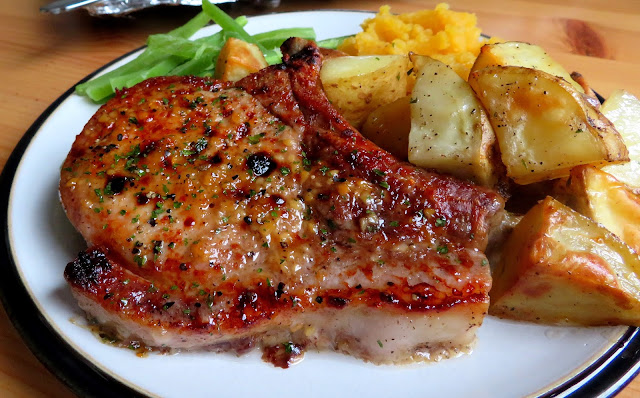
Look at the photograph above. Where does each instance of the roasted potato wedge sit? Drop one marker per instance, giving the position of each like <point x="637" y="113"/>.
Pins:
<point x="356" y="86"/>
<point x="559" y="267"/>
<point x="515" y="53"/>
<point x="389" y="126"/>
<point x="623" y="110"/>
<point x="543" y="125"/>
<point x="450" y="131"/>
<point x="604" y="199"/>
<point x="238" y="59"/>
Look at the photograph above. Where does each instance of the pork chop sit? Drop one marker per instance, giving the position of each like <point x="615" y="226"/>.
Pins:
<point x="226" y="216"/>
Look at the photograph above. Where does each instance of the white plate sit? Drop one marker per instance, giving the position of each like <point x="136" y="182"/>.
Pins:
<point x="510" y="359"/>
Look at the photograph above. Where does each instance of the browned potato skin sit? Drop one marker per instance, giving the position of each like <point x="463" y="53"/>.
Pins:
<point x="356" y="96"/>
<point x="606" y="200"/>
<point x="389" y="126"/>
<point x="554" y="270"/>
<point x="450" y="131"/>
<point x="238" y="59"/>
<point x="543" y="124"/>
<point x="513" y="53"/>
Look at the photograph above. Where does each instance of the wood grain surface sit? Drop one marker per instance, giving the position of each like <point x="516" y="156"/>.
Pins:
<point x="41" y="56"/>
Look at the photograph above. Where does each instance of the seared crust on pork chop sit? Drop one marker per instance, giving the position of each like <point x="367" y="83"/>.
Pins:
<point x="225" y="215"/>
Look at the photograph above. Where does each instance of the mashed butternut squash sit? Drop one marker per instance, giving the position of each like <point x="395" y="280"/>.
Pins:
<point x="449" y="36"/>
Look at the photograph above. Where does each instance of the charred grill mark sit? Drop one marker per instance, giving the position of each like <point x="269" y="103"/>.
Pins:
<point x="280" y="290"/>
<point x="87" y="269"/>
<point x="141" y="198"/>
<point x="247" y="299"/>
<point x="115" y="184"/>
<point x="261" y="164"/>
<point x="215" y="159"/>
<point x="253" y="305"/>
<point x="388" y="298"/>
<point x="297" y="52"/>
<point x="148" y="148"/>
<point x="337" y="302"/>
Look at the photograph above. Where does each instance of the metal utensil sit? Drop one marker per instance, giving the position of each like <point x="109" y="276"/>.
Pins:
<point x="60" y="6"/>
<point x="121" y="7"/>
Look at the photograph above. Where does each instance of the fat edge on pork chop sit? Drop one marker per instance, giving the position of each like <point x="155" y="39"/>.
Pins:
<point x="226" y="216"/>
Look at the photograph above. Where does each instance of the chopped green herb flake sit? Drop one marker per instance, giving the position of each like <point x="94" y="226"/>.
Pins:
<point x="254" y="139"/>
<point x="108" y="190"/>
<point x="140" y="260"/>
<point x="98" y="193"/>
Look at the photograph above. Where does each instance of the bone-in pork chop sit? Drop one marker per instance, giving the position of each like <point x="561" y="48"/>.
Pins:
<point x="224" y="216"/>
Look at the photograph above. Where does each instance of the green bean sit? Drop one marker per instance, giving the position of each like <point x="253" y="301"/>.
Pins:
<point x="174" y="53"/>
<point x="275" y="38"/>
<point x="332" y="43"/>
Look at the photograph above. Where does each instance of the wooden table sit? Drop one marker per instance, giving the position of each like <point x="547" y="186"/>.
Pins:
<point x="43" y="55"/>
